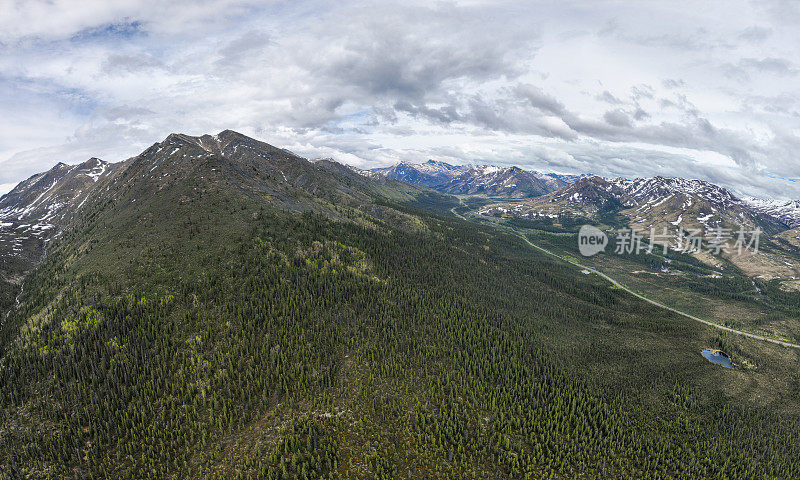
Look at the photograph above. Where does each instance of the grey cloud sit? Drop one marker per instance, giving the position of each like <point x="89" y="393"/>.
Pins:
<point x="617" y="118"/>
<point x="242" y="49"/>
<point x="673" y="83"/>
<point x="607" y="97"/>
<point x="137" y="63"/>
<point x="699" y="134"/>
<point x="642" y="91"/>
<point x="483" y="114"/>
<point x="755" y="33"/>
<point x="778" y="66"/>
<point x="445" y="115"/>
<point x="680" y="102"/>
<point x="504" y="115"/>
<point x="538" y="99"/>
<point x="786" y="140"/>
<point x="783" y="103"/>
<point x="640" y="114"/>
<point x="745" y="66"/>
<point x="388" y="59"/>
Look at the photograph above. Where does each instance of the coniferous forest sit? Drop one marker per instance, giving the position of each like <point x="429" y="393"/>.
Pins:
<point x="220" y="337"/>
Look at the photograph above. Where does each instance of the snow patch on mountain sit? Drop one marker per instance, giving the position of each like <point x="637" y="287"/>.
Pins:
<point x="787" y="212"/>
<point x="491" y="180"/>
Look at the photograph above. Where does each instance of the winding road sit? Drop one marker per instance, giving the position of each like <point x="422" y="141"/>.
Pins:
<point x="637" y="295"/>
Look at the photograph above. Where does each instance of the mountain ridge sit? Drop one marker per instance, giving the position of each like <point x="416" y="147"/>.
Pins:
<point x="654" y="200"/>
<point x="493" y="181"/>
<point x="489" y="180"/>
<point x="37" y="210"/>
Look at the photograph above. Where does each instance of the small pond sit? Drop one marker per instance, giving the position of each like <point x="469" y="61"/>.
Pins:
<point x="718" y="357"/>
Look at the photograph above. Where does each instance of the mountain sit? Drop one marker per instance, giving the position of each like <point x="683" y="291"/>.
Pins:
<point x="510" y="182"/>
<point x="655" y="202"/>
<point x="660" y="205"/>
<point x="429" y="174"/>
<point x="34" y="213"/>
<point x="41" y="208"/>
<point x="217" y="307"/>
<point x="787" y="213"/>
<point x="567" y="178"/>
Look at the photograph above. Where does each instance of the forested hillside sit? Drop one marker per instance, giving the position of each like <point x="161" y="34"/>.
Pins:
<point x="265" y="317"/>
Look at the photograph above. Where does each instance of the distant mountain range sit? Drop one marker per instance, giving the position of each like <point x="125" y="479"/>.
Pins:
<point x="489" y="180"/>
<point x="39" y="209"/>
<point x="658" y="202"/>
<point x="430" y="174"/>
<point x="36" y="210"/>
<point x="787" y="213"/>
<point x="660" y="205"/>
<point x="654" y="201"/>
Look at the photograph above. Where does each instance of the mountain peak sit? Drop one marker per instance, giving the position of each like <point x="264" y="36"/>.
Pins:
<point x="226" y="142"/>
<point x="93" y="162"/>
<point x="228" y="133"/>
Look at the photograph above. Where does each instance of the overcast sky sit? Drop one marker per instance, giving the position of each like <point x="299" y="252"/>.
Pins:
<point x="701" y="90"/>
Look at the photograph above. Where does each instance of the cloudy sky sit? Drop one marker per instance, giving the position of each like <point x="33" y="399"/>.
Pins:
<point x="700" y="89"/>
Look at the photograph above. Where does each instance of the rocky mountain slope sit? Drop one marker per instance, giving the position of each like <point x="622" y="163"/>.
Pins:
<point x="653" y="202"/>
<point x="35" y="213"/>
<point x="510" y="182"/>
<point x="674" y="207"/>
<point x="488" y="180"/>
<point x="41" y="208"/>
<point x="787" y="213"/>
<point x="45" y="203"/>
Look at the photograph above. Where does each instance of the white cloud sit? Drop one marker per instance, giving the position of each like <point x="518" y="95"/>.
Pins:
<point x="624" y="88"/>
<point x="6" y="187"/>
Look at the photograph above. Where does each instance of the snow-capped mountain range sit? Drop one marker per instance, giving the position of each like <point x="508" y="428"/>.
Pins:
<point x="786" y="212"/>
<point x="649" y="197"/>
<point x="659" y="202"/>
<point x="429" y="174"/>
<point x="32" y="214"/>
<point x="490" y="180"/>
